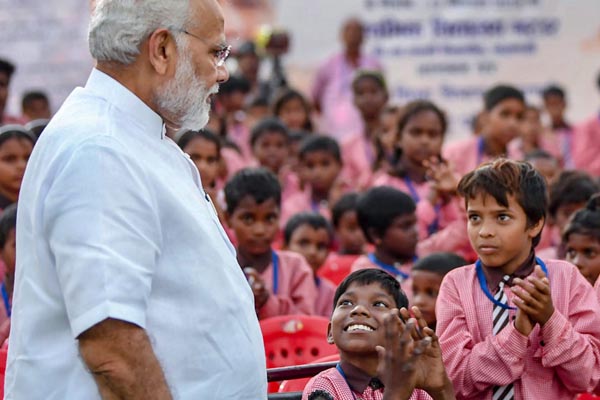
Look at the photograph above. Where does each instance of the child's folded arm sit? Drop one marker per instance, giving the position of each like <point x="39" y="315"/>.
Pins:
<point x="573" y="348"/>
<point x="475" y="368"/>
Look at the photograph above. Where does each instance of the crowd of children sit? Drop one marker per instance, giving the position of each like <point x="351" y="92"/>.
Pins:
<point x="500" y="257"/>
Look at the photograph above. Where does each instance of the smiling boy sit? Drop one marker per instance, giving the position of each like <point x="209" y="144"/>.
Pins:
<point x="381" y="357"/>
<point x="513" y="326"/>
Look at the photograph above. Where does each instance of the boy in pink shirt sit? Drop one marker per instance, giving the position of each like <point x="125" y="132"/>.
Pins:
<point x="320" y="164"/>
<point x="281" y="281"/>
<point x="504" y="110"/>
<point x="270" y="141"/>
<point x="513" y="326"/>
<point x="310" y="235"/>
<point x="384" y="353"/>
<point x="387" y="218"/>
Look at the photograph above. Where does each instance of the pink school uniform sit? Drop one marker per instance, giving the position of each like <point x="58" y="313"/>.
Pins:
<point x="586" y="146"/>
<point x="290" y="281"/>
<point x="233" y="160"/>
<point x="546" y="142"/>
<point x="430" y="219"/>
<point x="301" y="201"/>
<point x="466" y="155"/>
<point x="331" y="381"/>
<point x="332" y="89"/>
<point x="324" y="300"/>
<point x="358" y="155"/>
<point x="400" y="272"/>
<point x="597" y="289"/>
<point x="239" y="134"/>
<point x="554" y="362"/>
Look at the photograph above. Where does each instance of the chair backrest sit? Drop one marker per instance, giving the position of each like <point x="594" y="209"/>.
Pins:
<point x="295" y="339"/>
<point x="337" y="267"/>
<point x="297" y="385"/>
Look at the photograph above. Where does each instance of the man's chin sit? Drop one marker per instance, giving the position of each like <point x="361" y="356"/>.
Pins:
<point x="195" y="124"/>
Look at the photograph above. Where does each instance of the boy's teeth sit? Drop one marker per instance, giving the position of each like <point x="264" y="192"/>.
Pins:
<point x="359" y="328"/>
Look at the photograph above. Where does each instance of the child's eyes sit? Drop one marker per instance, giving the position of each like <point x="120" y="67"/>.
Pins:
<point x="503" y="217"/>
<point x="474" y="218"/>
<point x="345" y="303"/>
<point x="380" y="304"/>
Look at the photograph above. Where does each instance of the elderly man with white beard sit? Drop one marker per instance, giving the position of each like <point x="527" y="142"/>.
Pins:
<point x="127" y="287"/>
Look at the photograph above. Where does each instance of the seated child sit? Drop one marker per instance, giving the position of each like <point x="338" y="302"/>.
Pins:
<point x="350" y="238"/>
<point x="581" y="241"/>
<point x="569" y="193"/>
<point x="504" y="108"/>
<point x="533" y="136"/>
<point x="360" y="149"/>
<point x="387" y="219"/>
<point x="384" y="354"/>
<point x="270" y="142"/>
<point x="544" y="163"/>
<point x="16" y="144"/>
<point x="293" y="110"/>
<point x="514" y="326"/>
<point x="427" y="275"/>
<point x="204" y="149"/>
<point x="320" y="165"/>
<point x="8" y="223"/>
<point x="282" y="281"/>
<point x="310" y="235"/>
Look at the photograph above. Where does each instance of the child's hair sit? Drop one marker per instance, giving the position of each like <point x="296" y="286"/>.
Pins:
<point x="288" y="94"/>
<point x="31" y="96"/>
<point x="8" y="132"/>
<point x="347" y="202"/>
<point x="206" y="134"/>
<point x="268" y="125"/>
<point x="503" y="177"/>
<point x="374" y="75"/>
<point x="416" y="107"/>
<point x="571" y="187"/>
<point x="7" y="67"/>
<point x="323" y="143"/>
<point x="298" y="136"/>
<point x="234" y="84"/>
<point x="8" y="221"/>
<point x="378" y="207"/>
<point x="553" y="90"/>
<point x="585" y="221"/>
<point x="258" y="183"/>
<point x="312" y="219"/>
<point x="499" y="93"/>
<point x="37" y="126"/>
<point x="439" y="263"/>
<point x="373" y="275"/>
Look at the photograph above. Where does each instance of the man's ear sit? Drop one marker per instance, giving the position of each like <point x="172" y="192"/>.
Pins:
<point x="162" y="50"/>
<point x="329" y="334"/>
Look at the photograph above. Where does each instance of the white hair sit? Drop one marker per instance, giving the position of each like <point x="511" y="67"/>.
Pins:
<point x="118" y="27"/>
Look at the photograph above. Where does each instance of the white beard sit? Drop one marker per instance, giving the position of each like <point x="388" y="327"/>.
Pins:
<point x="186" y="96"/>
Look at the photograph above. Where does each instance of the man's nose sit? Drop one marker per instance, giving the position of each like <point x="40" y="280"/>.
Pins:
<point x="222" y="74"/>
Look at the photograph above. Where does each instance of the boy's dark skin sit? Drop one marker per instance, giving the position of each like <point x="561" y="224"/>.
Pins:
<point x="398" y="243"/>
<point x="404" y="356"/>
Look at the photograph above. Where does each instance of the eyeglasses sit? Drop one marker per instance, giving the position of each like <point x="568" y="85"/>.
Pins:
<point x="221" y="54"/>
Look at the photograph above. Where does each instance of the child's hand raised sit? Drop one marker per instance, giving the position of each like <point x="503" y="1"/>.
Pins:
<point x="430" y="371"/>
<point x="534" y="297"/>
<point x="443" y="180"/>
<point x="399" y="357"/>
<point x="261" y="294"/>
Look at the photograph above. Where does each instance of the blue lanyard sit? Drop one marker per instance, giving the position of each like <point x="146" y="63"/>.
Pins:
<point x="434" y="226"/>
<point x="341" y="371"/>
<point x="6" y="302"/>
<point x="275" y="262"/>
<point x="388" y="268"/>
<point x="486" y="290"/>
<point x="480" y="148"/>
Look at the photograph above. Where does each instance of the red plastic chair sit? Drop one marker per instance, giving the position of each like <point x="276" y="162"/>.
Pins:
<point x="297" y="385"/>
<point x="294" y="340"/>
<point x="587" y="396"/>
<point x="336" y="267"/>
